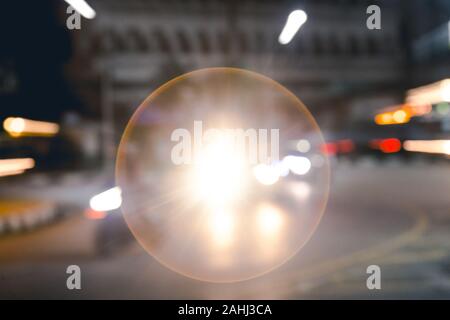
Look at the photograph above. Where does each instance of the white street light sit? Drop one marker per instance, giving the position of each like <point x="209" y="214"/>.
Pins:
<point x="293" y="23"/>
<point x="82" y="7"/>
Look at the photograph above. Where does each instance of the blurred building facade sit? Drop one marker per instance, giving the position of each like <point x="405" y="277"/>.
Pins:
<point x="333" y="64"/>
<point x="428" y="23"/>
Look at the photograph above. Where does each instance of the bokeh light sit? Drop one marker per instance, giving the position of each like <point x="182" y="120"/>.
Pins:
<point x="205" y="206"/>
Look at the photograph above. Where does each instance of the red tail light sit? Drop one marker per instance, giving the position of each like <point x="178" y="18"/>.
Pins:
<point x="390" y="145"/>
<point x="329" y="148"/>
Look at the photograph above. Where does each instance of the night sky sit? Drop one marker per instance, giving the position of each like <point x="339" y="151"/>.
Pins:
<point x="35" y="47"/>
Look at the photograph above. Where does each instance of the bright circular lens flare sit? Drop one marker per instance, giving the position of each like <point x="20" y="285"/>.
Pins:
<point x="218" y="174"/>
<point x="208" y="185"/>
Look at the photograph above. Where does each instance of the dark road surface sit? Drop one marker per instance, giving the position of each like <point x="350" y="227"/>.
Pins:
<point x="392" y="215"/>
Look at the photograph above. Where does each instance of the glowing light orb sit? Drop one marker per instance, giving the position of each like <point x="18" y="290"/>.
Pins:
<point x="213" y="183"/>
